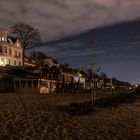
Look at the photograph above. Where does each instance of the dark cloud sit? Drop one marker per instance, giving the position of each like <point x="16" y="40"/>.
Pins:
<point x="60" y="18"/>
<point x="119" y="39"/>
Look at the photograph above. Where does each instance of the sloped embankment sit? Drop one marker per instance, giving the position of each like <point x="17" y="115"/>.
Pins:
<point x="84" y="108"/>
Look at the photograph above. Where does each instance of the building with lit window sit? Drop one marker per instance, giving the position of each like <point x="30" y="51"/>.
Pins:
<point x="10" y="50"/>
<point x="30" y="62"/>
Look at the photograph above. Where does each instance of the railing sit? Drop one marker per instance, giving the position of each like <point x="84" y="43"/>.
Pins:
<point x="17" y="56"/>
<point x="6" y="54"/>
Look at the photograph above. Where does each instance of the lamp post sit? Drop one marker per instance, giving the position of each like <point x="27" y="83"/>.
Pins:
<point x="93" y="90"/>
<point x="92" y="82"/>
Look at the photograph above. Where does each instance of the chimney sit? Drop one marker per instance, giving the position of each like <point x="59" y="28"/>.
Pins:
<point x="3" y="35"/>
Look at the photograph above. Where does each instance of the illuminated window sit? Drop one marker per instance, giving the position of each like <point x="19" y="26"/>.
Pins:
<point x="2" y="38"/>
<point x="17" y="44"/>
<point x="2" y="62"/>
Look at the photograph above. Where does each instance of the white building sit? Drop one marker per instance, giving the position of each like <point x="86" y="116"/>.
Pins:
<point x="10" y="50"/>
<point x="50" y="63"/>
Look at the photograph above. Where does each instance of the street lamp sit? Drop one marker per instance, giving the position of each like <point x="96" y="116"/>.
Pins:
<point x="80" y="75"/>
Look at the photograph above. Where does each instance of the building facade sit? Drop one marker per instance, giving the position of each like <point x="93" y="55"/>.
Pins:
<point x="30" y="62"/>
<point x="10" y="50"/>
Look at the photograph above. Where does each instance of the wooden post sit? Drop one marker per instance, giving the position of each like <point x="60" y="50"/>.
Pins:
<point x="93" y="97"/>
<point x="39" y="89"/>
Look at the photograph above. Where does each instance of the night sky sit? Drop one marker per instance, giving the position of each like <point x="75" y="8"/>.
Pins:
<point x="68" y="28"/>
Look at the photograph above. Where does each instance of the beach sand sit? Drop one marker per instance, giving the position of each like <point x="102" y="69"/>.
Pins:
<point x="36" y="117"/>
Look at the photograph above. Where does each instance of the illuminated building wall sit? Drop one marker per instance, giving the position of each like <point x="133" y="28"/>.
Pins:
<point x="10" y="50"/>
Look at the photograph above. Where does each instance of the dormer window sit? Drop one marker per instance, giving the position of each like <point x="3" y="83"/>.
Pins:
<point x="17" y="44"/>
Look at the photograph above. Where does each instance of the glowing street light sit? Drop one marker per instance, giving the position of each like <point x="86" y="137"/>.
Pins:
<point x="80" y="75"/>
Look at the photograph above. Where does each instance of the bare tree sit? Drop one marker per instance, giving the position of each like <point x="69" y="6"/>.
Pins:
<point x="38" y="55"/>
<point x="28" y="35"/>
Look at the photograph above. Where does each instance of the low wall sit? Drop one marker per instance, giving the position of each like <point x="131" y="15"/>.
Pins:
<point x="26" y="90"/>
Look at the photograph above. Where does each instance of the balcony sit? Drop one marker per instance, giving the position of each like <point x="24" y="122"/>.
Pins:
<point x="17" y="56"/>
<point x="2" y="54"/>
<point x="5" y="54"/>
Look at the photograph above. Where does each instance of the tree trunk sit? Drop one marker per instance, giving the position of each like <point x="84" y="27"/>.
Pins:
<point x="23" y="56"/>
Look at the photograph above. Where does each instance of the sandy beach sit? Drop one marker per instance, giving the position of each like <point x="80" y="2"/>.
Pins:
<point x="37" y="117"/>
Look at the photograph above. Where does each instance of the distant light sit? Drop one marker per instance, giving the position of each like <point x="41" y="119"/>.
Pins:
<point x="136" y="85"/>
<point x="80" y="75"/>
